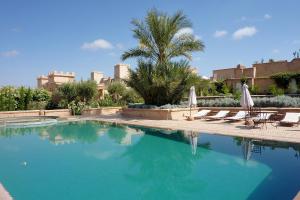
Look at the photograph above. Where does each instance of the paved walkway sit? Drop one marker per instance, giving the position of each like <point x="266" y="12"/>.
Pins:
<point x="286" y="134"/>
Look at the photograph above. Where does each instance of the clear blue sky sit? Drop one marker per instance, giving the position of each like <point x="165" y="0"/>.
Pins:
<point x="41" y="36"/>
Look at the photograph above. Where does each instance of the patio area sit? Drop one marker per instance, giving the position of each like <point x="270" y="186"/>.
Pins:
<point x="281" y="133"/>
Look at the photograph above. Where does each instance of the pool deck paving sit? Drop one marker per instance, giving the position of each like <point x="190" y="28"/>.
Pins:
<point x="281" y="133"/>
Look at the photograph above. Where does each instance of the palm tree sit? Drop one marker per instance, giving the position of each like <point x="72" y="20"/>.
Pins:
<point x="159" y="79"/>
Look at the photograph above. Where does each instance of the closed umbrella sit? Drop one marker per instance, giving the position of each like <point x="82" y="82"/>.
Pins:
<point x="192" y="99"/>
<point x="246" y="100"/>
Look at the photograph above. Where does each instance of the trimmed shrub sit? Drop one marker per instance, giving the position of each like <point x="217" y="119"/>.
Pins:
<point x="278" y="101"/>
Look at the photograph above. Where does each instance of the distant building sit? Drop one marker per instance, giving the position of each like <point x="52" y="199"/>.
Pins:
<point x="259" y="74"/>
<point x="54" y="79"/>
<point x="121" y="71"/>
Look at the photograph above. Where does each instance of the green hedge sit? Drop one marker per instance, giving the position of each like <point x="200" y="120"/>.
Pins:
<point x="22" y="98"/>
<point x="278" y="101"/>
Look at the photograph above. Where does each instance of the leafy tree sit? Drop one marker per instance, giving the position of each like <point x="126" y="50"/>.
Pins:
<point x="158" y="78"/>
<point x="67" y="91"/>
<point x="21" y="98"/>
<point x="41" y="95"/>
<point x="87" y="90"/>
<point x="131" y="96"/>
<point x="116" y="89"/>
<point x="219" y="86"/>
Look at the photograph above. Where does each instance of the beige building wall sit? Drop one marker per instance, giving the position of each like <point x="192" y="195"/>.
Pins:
<point x="97" y="76"/>
<point x="121" y="71"/>
<point x="54" y="79"/>
<point x="41" y="81"/>
<point x="258" y="74"/>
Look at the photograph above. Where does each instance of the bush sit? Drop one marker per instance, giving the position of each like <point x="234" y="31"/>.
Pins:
<point x="37" y="105"/>
<point x="41" y="95"/>
<point x="283" y="80"/>
<point x="67" y="91"/>
<point x="108" y="101"/>
<point x="8" y="100"/>
<point x="219" y="102"/>
<point x="87" y="90"/>
<point x="116" y="89"/>
<point x="73" y="93"/>
<point x="278" y="101"/>
<point x="76" y="107"/>
<point x="254" y="89"/>
<point x="274" y="90"/>
<point x="131" y="96"/>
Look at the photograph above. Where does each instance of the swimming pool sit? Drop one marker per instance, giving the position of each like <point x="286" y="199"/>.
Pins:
<point x="92" y="160"/>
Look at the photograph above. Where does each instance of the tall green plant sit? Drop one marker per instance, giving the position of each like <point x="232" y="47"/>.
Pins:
<point x="87" y="90"/>
<point x="159" y="79"/>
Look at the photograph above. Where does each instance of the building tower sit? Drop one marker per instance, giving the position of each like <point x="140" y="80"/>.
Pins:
<point x="97" y="76"/>
<point x="121" y="72"/>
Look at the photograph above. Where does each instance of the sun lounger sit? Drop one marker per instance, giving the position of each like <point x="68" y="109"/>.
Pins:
<point x="238" y="116"/>
<point x="220" y="115"/>
<point x="201" y="114"/>
<point x="291" y="118"/>
<point x="261" y="119"/>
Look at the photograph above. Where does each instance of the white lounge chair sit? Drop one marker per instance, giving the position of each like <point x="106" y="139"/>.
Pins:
<point x="262" y="116"/>
<point x="238" y="116"/>
<point x="220" y="115"/>
<point x="261" y="119"/>
<point x="291" y="118"/>
<point x="200" y="114"/>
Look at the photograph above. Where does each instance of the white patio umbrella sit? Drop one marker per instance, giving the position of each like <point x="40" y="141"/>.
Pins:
<point x="246" y="100"/>
<point x="247" y="147"/>
<point x="192" y="99"/>
<point x="194" y="142"/>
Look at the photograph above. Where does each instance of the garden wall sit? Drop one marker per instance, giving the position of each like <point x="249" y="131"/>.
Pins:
<point x="181" y="113"/>
<point x="101" y="111"/>
<point x="34" y="113"/>
<point x="158" y="114"/>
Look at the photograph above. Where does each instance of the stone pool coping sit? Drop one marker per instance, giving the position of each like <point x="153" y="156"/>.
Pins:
<point x="4" y="195"/>
<point x="280" y="134"/>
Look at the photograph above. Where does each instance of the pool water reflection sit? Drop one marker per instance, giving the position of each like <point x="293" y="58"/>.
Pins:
<point x="89" y="160"/>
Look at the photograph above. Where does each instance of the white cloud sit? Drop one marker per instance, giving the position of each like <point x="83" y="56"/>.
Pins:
<point x="188" y="31"/>
<point x="11" y="53"/>
<point x="275" y="51"/>
<point x="221" y="33"/>
<point x="184" y="31"/>
<point x="97" y="44"/>
<point x="267" y="16"/>
<point x="247" y="31"/>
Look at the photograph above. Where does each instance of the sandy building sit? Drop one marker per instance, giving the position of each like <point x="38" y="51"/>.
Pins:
<point x="54" y="79"/>
<point x="259" y="74"/>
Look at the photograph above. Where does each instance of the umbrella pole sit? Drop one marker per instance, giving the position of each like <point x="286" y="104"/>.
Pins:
<point x="190" y="111"/>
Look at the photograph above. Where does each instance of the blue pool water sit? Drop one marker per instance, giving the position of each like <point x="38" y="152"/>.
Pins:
<point x="90" y="160"/>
